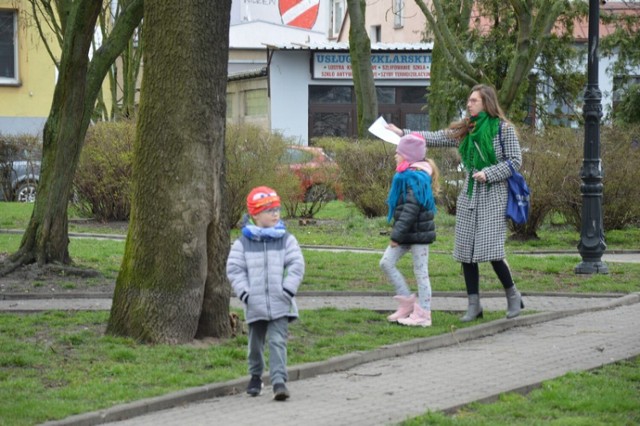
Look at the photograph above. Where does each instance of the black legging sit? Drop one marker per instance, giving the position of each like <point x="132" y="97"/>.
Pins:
<point x="472" y="275"/>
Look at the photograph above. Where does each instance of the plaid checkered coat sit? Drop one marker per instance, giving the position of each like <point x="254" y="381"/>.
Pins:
<point x="481" y="226"/>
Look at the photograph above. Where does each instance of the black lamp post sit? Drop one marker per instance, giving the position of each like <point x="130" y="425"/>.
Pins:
<point x="592" y="245"/>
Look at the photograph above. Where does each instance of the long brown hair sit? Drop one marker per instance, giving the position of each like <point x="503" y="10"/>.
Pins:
<point x="459" y="129"/>
<point x="435" y="176"/>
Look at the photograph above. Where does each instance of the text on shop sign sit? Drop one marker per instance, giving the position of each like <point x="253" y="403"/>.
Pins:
<point x="384" y="65"/>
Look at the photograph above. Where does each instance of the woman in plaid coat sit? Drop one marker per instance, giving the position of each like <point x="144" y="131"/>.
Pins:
<point x="481" y="225"/>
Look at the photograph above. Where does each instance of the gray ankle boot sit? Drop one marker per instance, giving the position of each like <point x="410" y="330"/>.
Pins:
<point x="514" y="302"/>
<point x="474" y="310"/>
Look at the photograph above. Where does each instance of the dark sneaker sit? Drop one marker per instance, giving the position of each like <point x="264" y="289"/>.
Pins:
<point x="280" y="392"/>
<point x="255" y="386"/>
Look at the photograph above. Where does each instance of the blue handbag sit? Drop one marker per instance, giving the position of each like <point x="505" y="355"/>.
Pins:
<point x="518" y="200"/>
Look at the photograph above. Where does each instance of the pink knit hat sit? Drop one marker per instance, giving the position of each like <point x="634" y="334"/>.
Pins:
<point x="412" y="147"/>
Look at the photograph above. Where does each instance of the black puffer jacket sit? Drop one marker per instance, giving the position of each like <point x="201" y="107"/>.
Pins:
<point x="413" y="223"/>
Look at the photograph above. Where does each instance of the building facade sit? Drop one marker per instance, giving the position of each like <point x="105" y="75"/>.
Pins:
<point x="312" y="92"/>
<point x="27" y="72"/>
<point x="275" y="48"/>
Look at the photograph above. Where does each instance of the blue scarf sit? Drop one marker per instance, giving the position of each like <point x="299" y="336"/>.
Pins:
<point x="420" y="183"/>
<point x="256" y="233"/>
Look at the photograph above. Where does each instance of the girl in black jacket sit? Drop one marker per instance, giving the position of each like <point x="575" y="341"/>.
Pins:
<point x="412" y="209"/>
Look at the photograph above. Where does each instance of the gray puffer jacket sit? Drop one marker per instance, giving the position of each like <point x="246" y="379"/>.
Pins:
<point x="265" y="276"/>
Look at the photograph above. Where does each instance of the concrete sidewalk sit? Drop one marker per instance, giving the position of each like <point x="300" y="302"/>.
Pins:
<point x="382" y="302"/>
<point x="393" y="383"/>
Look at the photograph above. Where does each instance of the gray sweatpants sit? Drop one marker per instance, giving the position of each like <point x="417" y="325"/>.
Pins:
<point x="277" y="333"/>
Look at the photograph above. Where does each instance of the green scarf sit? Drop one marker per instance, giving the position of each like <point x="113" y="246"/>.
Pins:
<point x="476" y="149"/>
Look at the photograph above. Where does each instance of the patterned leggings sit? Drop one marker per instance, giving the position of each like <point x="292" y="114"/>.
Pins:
<point x="420" y="253"/>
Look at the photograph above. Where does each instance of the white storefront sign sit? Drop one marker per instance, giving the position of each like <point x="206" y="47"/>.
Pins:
<point x="396" y="66"/>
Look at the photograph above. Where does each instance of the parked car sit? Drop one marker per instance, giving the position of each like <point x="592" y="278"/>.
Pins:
<point x="317" y="172"/>
<point x="19" y="179"/>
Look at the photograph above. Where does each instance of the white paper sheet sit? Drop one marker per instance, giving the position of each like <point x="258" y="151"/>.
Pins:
<point x="379" y="129"/>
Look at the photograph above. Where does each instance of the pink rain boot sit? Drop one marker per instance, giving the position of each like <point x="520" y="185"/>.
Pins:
<point x="405" y="307"/>
<point x="419" y="317"/>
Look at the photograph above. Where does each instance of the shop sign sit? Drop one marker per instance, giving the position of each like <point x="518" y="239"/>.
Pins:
<point x="396" y="66"/>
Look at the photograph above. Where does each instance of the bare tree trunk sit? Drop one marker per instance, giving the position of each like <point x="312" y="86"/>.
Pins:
<point x="46" y="237"/>
<point x="131" y="63"/>
<point x="172" y="284"/>
<point x="363" y="82"/>
<point x="122" y="74"/>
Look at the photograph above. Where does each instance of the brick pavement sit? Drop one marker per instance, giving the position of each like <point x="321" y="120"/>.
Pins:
<point x="394" y="383"/>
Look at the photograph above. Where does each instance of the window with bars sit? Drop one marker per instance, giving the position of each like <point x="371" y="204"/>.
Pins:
<point x="333" y="109"/>
<point x="255" y="102"/>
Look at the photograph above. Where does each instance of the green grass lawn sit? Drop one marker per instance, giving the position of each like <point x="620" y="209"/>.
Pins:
<point x="347" y="271"/>
<point x="56" y="364"/>
<point x="341" y="225"/>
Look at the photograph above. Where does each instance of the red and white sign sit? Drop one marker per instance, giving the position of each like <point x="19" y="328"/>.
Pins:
<point x="299" y="13"/>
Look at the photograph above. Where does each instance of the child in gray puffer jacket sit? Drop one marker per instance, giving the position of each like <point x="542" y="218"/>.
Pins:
<point x="265" y="268"/>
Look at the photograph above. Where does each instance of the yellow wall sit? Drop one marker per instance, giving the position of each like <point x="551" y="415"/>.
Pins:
<point x="36" y="72"/>
<point x="27" y="104"/>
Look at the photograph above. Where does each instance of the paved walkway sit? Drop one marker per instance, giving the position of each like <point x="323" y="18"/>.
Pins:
<point x="378" y="302"/>
<point x="400" y="381"/>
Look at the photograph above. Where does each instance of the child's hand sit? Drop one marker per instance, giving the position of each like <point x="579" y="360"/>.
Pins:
<point x="395" y="129"/>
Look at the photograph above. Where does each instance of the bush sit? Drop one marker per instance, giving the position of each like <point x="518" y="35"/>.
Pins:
<point x="253" y="159"/>
<point x="552" y="159"/>
<point x="545" y="166"/>
<point x="103" y="179"/>
<point x="620" y="153"/>
<point x="628" y="110"/>
<point x="297" y="202"/>
<point x="552" y="162"/>
<point x="621" y="192"/>
<point x="366" y="169"/>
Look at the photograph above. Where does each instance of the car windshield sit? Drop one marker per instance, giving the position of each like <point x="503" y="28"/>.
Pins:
<point x="29" y="155"/>
<point x="10" y="155"/>
<point x="295" y="156"/>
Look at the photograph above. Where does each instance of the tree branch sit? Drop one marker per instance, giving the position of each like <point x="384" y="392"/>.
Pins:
<point x="125" y="25"/>
<point x="459" y="64"/>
